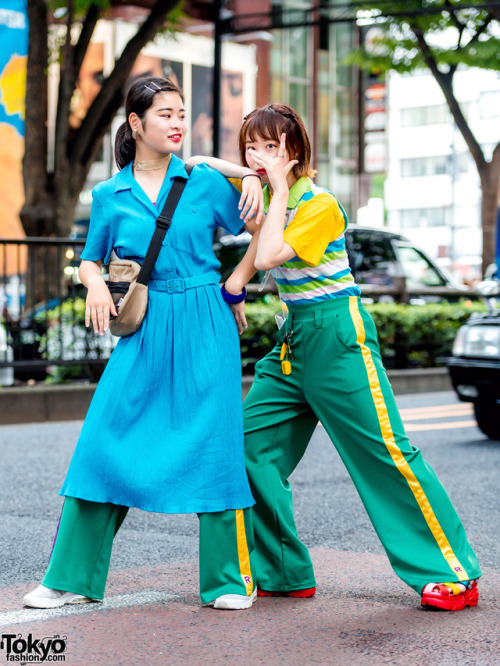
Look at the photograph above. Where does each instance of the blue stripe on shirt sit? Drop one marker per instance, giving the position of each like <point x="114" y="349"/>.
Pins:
<point x="319" y="278"/>
<point x="348" y="291"/>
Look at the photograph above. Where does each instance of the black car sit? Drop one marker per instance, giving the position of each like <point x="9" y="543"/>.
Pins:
<point x="474" y="366"/>
<point x="378" y="257"/>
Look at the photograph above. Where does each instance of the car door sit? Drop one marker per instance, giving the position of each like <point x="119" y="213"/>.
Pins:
<point x="372" y="257"/>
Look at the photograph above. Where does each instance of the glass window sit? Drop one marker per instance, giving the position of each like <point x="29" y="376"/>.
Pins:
<point x="372" y="257"/>
<point x="344" y="43"/>
<point x="342" y="183"/>
<point x="417" y="269"/>
<point x="423" y="217"/>
<point x="323" y="123"/>
<point x="425" y="166"/>
<point x="298" y="52"/>
<point x="344" y="117"/>
<point x="436" y="114"/>
<point x="425" y="115"/>
<point x="298" y="99"/>
<point x="489" y="104"/>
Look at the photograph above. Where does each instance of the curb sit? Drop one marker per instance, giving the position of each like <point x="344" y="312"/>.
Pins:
<point x="68" y="402"/>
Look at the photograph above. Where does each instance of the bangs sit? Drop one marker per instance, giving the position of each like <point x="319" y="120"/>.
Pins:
<point x="268" y="125"/>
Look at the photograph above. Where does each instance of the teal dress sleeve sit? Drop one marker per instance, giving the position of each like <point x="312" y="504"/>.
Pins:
<point x="99" y="240"/>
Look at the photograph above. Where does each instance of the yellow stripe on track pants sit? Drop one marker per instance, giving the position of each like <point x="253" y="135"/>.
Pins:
<point x="82" y="550"/>
<point x="338" y="378"/>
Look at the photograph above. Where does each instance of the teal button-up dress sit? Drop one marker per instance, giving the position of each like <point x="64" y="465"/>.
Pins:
<point x="164" y="429"/>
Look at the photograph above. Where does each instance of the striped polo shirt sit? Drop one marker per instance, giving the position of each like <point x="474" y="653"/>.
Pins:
<point x="315" y="228"/>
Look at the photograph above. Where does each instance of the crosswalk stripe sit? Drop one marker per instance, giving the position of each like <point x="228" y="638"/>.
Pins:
<point x="434" y="415"/>
<point x="463" y="408"/>
<point x="29" y="615"/>
<point x="449" y="425"/>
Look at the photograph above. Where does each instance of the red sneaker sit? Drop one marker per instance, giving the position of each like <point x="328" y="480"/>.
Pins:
<point x="297" y="594"/>
<point x="450" y="596"/>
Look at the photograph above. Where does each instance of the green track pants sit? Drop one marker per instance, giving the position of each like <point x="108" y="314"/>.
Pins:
<point x="338" y="378"/>
<point x="82" y="550"/>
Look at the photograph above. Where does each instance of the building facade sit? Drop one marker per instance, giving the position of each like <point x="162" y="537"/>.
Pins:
<point x="300" y="65"/>
<point x="432" y="191"/>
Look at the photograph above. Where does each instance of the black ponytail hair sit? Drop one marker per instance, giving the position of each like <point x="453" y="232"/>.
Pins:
<point x="139" y="99"/>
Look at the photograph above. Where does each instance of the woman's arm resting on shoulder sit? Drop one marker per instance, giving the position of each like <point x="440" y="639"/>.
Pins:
<point x="251" y="202"/>
<point x="227" y="169"/>
<point x="99" y="302"/>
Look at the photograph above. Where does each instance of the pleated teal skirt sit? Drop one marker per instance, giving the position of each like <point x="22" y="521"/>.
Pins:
<point x="164" y="431"/>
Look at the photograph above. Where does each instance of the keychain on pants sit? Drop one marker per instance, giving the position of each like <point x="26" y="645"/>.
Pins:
<point x="286" y="354"/>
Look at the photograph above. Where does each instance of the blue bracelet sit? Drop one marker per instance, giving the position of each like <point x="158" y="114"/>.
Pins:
<point x="232" y="299"/>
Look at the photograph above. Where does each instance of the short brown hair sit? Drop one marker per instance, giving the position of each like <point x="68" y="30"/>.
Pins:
<point x="270" y="122"/>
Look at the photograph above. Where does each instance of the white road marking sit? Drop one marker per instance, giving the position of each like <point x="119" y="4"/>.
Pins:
<point x="436" y="411"/>
<point x="449" y="425"/>
<point x="28" y="615"/>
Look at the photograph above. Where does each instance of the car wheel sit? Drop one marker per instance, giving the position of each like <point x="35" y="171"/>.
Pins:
<point x="487" y="413"/>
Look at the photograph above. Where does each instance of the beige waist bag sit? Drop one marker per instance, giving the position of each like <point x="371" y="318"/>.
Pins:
<point x="129" y="296"/>
<point x="128" y="280"/>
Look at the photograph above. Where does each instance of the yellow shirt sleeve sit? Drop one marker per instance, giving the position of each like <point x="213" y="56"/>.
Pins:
<point x="237" y="182"/>
<point x="316" y="223"/>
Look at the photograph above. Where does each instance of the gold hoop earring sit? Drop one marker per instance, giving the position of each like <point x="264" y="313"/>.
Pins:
<point x="134" y="134"/>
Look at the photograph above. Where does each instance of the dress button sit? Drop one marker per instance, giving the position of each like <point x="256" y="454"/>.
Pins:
<point x="169" y="268"/>
<point x="194" y="210"/>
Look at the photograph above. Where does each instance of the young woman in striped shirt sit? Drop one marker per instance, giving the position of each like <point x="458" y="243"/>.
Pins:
<point x="326" y="366"/>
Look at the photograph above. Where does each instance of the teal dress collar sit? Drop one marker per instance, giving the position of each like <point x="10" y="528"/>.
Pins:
<point x="125" y="181"/>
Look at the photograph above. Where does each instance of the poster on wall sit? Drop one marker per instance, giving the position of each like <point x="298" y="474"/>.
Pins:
<point x="88" y="83"/>
<point x="188" y="60"/>
<point x="202" y="112"/>
<point x="13" y="60"/>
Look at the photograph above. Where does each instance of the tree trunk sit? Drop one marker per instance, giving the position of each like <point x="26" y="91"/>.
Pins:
<point x="37" y="214"/>
<point x="490" y="190"/>
<point x="51" y="198"/>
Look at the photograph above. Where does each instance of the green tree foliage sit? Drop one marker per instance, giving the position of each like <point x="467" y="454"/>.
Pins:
<point x="61" y="32"/>
<point x="442" y="35"/>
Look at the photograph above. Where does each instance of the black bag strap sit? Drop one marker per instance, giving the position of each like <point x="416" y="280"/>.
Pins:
<point x="163" y="222"/>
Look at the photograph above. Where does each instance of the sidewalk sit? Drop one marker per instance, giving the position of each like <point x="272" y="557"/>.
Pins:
<point x="361" y="615"/>
<point x="68" y="402"/>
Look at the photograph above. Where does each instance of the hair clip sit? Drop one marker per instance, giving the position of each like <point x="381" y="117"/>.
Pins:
<point x="152" y="90"/>
<point x="285" y="114"/>
<point x="153" y="83"/>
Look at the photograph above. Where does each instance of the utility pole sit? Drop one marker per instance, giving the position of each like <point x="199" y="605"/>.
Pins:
<point x="217" y="8"/>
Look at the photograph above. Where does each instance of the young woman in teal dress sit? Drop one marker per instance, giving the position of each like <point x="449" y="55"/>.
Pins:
<point x="164" y="431"/>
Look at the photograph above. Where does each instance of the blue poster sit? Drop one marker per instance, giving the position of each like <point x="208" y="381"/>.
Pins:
<point x="13" y="62"/>
<point x="13" y="58"/>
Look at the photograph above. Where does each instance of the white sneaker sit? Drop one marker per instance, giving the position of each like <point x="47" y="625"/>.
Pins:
<point x="45" y="597"/>
<point x="235" y="601"/>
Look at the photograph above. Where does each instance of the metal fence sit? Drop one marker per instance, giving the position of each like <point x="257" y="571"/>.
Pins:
<point x="42" y="309"/>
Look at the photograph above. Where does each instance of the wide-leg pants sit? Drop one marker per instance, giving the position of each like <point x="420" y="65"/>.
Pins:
<point x="82" y="550"/>
<point x="338" y="378"/>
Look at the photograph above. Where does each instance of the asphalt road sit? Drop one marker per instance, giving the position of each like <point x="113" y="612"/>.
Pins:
<point x="159" y="553"/>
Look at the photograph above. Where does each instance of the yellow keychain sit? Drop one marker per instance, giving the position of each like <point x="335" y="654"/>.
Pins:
<point x="286" y="366"/>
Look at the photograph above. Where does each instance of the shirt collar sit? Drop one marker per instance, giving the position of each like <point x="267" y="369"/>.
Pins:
<point x="297" y="191"/>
